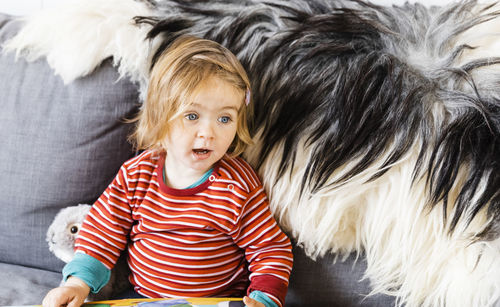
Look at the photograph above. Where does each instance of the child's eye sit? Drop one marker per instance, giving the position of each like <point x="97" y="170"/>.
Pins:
<point x="191" y="116"/>
<point x="224" y="119"/>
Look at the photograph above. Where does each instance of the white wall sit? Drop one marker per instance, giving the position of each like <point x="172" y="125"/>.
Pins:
<point x="26" y="7"/>
<point x="19" y="7"/>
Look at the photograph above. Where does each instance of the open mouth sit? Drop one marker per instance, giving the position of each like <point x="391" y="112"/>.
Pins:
<point x="201" y="151"/>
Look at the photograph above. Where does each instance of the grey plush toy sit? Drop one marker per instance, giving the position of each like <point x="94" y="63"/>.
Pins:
<point x="61" y="237"/>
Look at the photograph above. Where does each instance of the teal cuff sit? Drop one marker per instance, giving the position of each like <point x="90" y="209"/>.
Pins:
<point x="262" y="298"/>
<point x="88" y="269"/>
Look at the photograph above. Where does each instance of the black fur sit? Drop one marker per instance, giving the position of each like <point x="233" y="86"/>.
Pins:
<point x="339" y="72"/>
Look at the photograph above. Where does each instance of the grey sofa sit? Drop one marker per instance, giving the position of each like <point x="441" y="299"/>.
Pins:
<point x="61" y="145"/>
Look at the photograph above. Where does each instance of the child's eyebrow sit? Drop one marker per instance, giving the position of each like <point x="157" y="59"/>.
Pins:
<point x="230" y="108"/>
<point x="195" y="104"/>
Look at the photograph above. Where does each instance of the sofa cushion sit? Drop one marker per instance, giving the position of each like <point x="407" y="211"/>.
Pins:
<point x="61" y="145"/>
<point x="326" y="282"/>
<point x="25" y="286"/>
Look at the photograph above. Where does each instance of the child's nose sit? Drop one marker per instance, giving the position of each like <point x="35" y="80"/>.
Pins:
<point x="206" y="130"/>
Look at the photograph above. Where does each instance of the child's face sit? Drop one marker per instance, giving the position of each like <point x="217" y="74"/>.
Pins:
<point x="204" y="132"/>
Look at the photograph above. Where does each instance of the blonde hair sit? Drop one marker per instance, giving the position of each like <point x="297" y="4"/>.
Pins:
<point x="175" y="77"/>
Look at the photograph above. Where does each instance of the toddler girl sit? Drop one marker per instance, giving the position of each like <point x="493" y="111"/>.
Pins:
<point x="192" y="215"/>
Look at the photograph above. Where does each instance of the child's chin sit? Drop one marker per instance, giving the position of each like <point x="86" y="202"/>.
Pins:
<point x="202" y="165"/>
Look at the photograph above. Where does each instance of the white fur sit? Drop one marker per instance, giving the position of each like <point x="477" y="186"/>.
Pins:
<point x="76" y="37"/>
<point x="406" y="246"/>
<point x="487" y="37"/>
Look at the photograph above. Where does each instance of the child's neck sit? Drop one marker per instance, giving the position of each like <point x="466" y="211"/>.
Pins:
<point x="180" y="178"/>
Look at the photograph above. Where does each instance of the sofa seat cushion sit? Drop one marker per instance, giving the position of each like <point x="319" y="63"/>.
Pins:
<point x="326" y="282"/>
<point x="25" y="286"/>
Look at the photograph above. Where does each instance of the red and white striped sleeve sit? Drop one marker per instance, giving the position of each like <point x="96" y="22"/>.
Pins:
<point x="267" y="249"/>
<point x="104" y="232"/>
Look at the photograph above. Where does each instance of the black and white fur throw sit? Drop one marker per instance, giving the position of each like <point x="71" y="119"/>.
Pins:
<point x="377" y="130"/>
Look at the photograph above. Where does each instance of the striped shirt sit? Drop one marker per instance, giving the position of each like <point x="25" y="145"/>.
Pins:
<point x="209" y="240"/>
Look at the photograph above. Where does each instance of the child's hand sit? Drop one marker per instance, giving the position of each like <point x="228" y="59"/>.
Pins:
<point x="72" y="294"/>
<point x="249" y="302"/>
